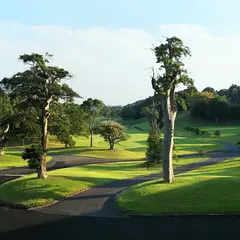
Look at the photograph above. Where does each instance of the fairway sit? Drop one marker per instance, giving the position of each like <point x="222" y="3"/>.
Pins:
<point x="213" y="189"/>
<point x="135" y="147"/>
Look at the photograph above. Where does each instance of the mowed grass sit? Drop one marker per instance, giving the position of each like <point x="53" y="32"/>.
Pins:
<point x="33" y="192"/>
<point x="135" y="147"/>
<point x="212" y="189"/>
<point x="13" y="158"/>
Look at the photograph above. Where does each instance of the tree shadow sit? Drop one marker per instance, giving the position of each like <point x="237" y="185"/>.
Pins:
<point x="218" y="195"/>
<point x="137" y="149"/>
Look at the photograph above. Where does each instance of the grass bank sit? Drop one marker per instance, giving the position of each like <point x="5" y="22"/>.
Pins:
<point x="212" y="189"/>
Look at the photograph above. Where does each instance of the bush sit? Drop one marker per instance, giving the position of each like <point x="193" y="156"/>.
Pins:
<point x="217" y="133"/>
<point x="154" y="152"/>
<point x="67" y="140"/>
<point x="33" y="156"/>
<point x="197" y="131"/>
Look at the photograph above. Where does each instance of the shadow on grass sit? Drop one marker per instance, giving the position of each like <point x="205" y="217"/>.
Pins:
<point x="46" y="190"/>
<point x="137" y="149"/>
<point x="218" y="195"/>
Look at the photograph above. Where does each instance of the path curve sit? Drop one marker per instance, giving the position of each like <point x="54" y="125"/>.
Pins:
<point x="100" y="200"/>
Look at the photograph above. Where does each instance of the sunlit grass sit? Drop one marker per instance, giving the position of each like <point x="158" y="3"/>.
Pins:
<point x="212" y="189"/>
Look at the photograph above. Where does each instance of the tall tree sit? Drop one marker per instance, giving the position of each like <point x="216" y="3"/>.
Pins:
<point x="169" y="55"/>
<point x="39" y="86"/>
<point x="92" y="107"/>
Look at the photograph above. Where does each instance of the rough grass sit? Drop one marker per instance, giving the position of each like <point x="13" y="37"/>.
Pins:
<point x="212" y="189"/>
<point x="34" y="192"/>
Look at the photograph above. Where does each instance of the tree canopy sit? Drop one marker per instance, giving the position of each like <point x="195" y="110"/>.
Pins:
<point x="37" y="87"/>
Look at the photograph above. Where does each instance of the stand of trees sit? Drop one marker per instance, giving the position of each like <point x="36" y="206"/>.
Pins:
<point x="209" y="104"/>
<point x="37" y="103"/>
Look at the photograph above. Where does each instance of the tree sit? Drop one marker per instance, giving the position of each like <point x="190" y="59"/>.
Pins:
<point x="209" y="89"/>
<point x="212" y="109"/>
<point x="112" y="132"/>
<point x="5" y="114"/>
<point x="154" y="152"/>
<point x="39" y="86"/>
<point x="169" y="55"/>
<point x="67" y="120"/>
<point x="92" y="108"/>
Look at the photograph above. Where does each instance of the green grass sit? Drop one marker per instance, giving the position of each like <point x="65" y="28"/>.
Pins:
<point x="34" y="192"/>
<point x="13" y="158"/>
<point x="212" y="189"/>
<point x="135" y="147"/>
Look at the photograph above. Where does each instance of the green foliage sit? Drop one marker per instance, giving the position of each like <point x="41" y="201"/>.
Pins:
<point x="111" y="111"/>
<point x="217" y="133"/>
<point x="5" y="114"/>
<point x="92" y="108"/>
<point x="66" y="120"/>
<point x="154" y="152"/>
<point x="209" y="89"/>
<point x="40" y="82"/>
<point x="112" y="132"/>
<point x="213" y="109"/>
<point x="197" y="131"/>
<point x="33" y="156"/>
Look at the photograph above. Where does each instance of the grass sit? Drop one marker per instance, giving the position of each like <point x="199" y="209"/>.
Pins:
<point x="212" y="189"/>
<point x="34" y="192"/>
<point x="135" y="147"/>
<point x="13" y="158"/>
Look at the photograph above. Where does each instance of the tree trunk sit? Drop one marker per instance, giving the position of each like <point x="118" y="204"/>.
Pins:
<point x="111" y="146"/>
<point x="42" y="171"/>
<point x="169" y="120"/>
<point x="1" y="151"/>
<point x="91" y="138"/>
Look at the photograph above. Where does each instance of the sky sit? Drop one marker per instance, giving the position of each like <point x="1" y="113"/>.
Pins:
<point x="105" y="44"/>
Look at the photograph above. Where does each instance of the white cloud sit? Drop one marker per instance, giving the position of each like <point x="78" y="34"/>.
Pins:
<point x="111" y="64"/>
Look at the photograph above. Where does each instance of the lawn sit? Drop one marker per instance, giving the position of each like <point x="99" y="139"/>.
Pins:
<point x="34" y="192"/>
<point x="13" y="158"/>
<point x="212" y="189"/>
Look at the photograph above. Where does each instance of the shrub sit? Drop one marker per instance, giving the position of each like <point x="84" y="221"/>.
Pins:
<point x="67" y="140"/>
<point x="154" y="152"/>
<point x="197" y="131"/>
<point x="217" y="133"/>
<point x="33" y="156"/>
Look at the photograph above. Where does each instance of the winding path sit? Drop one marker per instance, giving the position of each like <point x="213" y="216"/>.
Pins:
<point x="100" y="200"/>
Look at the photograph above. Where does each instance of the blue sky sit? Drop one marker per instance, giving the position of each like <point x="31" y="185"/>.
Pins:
<point x="144" y="14"/>
<point x="104" y="43"/>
